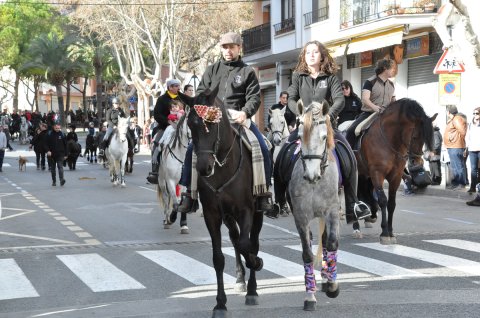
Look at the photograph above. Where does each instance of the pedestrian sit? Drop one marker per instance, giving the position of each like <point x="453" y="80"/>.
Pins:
<point x="240" y="94"/>
<point x="38" y="143"/>
<point x="377" y="93"/>
<point x="473" y="148"/>
<point x="188" y="90"/>
<point x="353" y="104"/>
<point x="57" y="152"/>
<point x="433" y="157"/>
<point x="314" y="79"/>
<point x="3" y="146"/>
<point x="454" y="140"/>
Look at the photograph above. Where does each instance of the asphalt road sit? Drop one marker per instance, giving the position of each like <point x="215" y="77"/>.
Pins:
<point x="88" y="249"/>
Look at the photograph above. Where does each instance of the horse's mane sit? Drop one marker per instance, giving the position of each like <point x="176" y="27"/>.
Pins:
<point x="412" y="110"/>
<point x="314" y="115"/>
<point x="178" y="131"/>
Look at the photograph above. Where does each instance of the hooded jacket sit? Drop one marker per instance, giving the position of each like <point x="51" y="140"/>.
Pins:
<point x="238" y="85"/>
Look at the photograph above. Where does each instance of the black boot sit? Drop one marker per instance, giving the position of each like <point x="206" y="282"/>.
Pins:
<point x="473" y="183"/>
<point x="188" y="204"/>
<point x="153" y="175"/>
<point x="355" y="209"/>
<point x="264" y="202"/>
<point x="474" y="202"/>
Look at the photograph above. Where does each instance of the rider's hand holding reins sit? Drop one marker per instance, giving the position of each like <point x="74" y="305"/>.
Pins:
<point x="238" y="116"/>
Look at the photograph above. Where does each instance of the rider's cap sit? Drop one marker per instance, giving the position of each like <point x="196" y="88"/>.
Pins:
<point x="231" y="38"/>
<point x="115" y="101"/>
<point x="173" y="81"/>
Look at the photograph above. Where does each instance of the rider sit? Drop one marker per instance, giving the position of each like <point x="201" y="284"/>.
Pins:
<point x="112" y="118"/>
<point x="239" y="91"/>
<point x="160" y="113"/>
<point x="314" y="79"/>
<point x="377" y="93"/>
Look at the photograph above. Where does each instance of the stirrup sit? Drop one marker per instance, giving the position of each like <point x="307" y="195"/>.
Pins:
<point x="361" y="210"/>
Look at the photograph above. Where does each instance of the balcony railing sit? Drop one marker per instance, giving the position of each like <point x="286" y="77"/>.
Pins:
<point x="284" y="26"/>
<point x="257" y="39"/>
<point x="316" y="16"/>
<point x="353" y="12"/>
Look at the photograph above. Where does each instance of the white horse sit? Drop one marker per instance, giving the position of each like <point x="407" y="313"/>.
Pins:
<point x="23" y="139"/>
<point x="116" y="152"/>
<point x="170" y="170"/>
<point x="279" y="130"/>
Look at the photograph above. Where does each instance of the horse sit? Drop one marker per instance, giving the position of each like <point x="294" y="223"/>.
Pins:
<point x="91" y="149"/>
<point x="279" y="130"/>
<point x="397" y="135"/>
<point x="169" y="173"/>
<point x="73" y="152"/>
<point x="23" y="136"/>
<point x="116" y="152"/>
<point x="313" y="193"/>
<point x="225" y="185"/>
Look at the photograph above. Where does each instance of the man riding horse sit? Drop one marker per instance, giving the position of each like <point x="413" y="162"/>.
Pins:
<point x="112" y="118"/>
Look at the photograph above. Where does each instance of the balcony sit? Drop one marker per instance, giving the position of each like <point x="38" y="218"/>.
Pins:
<point x="257" y="39"/>
<point x="284" y="26"/>
<point x="354" y="12"/>
<point x="316" y="16"/>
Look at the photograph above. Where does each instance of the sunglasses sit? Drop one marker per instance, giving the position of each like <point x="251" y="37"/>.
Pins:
<point x="344" y="88"/>
<point x="476" y="113"/>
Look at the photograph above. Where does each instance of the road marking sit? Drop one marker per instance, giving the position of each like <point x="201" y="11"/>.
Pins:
<point x="36" y="237"/>
<point x="13" y="282"/>
<point x="281" y="229"/>
<point x="368" y="265"/>
<point x="413" y="212"/>
<point x="458" y="220"/>
<point x="149" y="189"/>
<point x="451" y="262"/>
<point x="70" y="310"/>
<point x="460" y="244"/>
<point x="186" y="267"/>
<point x="99" y="274"/>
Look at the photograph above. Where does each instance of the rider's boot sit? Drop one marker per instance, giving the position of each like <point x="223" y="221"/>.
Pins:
<point x="188" y="204"/>
<point x="264" y="203"/>
<point x="153" y="175"/>
<point x="355" y="209"/>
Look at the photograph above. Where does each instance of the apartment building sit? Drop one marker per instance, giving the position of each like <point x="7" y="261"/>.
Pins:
<point x="358" y="33"/>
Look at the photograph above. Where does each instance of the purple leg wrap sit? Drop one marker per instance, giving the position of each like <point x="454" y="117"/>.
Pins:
<point x="324" y="271"/>
<point x="310" y="283"/>
<point x="332" y="266"/>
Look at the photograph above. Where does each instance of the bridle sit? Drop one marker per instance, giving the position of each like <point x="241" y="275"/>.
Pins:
<point x="322" y="157"/>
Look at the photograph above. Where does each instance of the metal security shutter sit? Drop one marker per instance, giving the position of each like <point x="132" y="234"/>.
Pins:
<point x="420" y="70"/>
<point x="269" y="98"/>
<point x="367" y="72"/>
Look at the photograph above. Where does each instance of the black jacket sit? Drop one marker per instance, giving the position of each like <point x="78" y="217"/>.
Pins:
<point x="309" y="89"/>
<point x="39" y="141"/>
<point x="57" y="144"/>
<point x="353" y="107"/>
<point x="290" y="117"/>
<point x="162" y="109"/>
<point x="238" y="85"/>
<point x="73" y="135"/>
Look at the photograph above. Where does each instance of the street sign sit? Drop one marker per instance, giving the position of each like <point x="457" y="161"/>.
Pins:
<point x="448" y="64"/>
<point x="449" y="89"/>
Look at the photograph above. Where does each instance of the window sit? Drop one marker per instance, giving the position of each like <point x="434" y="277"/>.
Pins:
<point x="288" y="9"/>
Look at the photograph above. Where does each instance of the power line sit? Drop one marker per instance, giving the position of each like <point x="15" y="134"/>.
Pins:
<point x="187" y="2"/>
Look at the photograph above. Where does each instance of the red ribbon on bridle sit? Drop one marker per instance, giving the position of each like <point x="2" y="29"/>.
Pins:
<point x="210" y="114"/>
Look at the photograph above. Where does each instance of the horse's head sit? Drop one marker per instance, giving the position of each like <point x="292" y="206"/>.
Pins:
<point x="278" y="125"/>
<point x="205" y="119"/>
<point x="122" y="127"/>
<point x="316" y="135"/>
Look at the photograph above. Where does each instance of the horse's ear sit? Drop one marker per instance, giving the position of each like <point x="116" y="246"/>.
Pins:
<point x="300" y="107"/>
<point x="270" y="111"/>
<point x="284" y="109"/>
<point x="213" y="94"/>
<point x="325" y="107"/>
<point x="434" y="117"/>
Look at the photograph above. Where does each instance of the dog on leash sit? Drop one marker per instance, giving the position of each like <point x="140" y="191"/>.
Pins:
<point x="22" y="163"/>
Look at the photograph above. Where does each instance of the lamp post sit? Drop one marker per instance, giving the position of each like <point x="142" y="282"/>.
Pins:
<point x="51" y="101"/>
<point x="195" y="79"/>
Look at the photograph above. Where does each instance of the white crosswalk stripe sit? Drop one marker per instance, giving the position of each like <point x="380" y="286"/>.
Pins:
<point x="99" y="274"/>
<point x="460" y="244"/>
<point x="13" y="282"/>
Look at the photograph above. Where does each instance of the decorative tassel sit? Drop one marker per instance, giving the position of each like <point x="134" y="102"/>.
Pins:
<point x="310" y="283"/>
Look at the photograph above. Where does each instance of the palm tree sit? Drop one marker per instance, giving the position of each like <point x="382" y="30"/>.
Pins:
<point x="51" y="57"/>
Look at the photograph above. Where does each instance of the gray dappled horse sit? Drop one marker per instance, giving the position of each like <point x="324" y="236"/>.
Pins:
<point x="313" y="193"/>
<point x="169" y="173"/>
<point x="116" y="152"/>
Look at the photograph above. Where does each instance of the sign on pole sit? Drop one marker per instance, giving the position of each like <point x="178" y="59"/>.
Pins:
<point x="449" y="89"/>
<point x="448" y="64"/>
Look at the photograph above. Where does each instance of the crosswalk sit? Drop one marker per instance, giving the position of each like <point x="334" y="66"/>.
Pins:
<point x="100" y="274"/>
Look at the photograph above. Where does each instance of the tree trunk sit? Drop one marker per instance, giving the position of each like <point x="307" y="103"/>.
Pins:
<point x="84" y="96"/>
<point x="67" y="104"/>
<point x="36" y="84"/>
<point x="15" y="92"/>
<point x="61" y="109"/>
<point x="99" y="80"/>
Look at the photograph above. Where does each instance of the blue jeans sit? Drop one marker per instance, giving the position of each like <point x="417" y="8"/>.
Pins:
<point x="474" y="157"/>
<point x="267" y="161"/>
<point x="457" y="163"/>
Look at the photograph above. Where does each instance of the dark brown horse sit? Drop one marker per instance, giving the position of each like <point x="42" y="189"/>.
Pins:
<point x="397" y="135"/>
<point x="225" y="185"/>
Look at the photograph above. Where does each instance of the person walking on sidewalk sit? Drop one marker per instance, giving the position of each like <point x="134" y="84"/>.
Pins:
<point x="473" y="146"/>
<point x="57" y="152"/>
<point x="454" y="140"/>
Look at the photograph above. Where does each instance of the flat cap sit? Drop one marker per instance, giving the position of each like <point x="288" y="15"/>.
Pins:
<point x="231" y="38"/>
<point x="173" y="81"/>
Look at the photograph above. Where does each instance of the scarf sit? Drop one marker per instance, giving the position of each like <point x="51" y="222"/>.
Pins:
<point x="172" y="96"/>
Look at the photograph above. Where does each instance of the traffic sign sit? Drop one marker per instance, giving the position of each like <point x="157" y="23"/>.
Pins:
<point x="448" y="64"/>
<point x="449" y="89"/>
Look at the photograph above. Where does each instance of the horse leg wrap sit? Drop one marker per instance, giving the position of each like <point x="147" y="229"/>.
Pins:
<point x="310" y="283"/>
<point x="324" y="271"/>
<point x="331" y="266"/>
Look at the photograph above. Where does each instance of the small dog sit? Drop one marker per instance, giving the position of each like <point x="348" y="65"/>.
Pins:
<point x="22" y="163"/>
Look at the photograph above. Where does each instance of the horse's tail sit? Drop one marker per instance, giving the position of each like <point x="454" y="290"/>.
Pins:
<point x="159" y="194"/>
<point x="321" y="229"/>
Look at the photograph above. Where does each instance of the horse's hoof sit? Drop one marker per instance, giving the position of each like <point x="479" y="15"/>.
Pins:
<point x="385" y="240"/>
<point x="309" y="305"/>
<point x="370" y="219"/>
<point x="357" y="234"/>
<point x="220" y="313"/>
<point x="251" y="300"/>
<point x="393" y="239"/>
<point x="240" y="287"/>
<point x="184" y="230"/>
<point x="166" y="225"/>
<point x="368" y="225"/>
<point x="124" y="185"/>
<point x="333" y="290"/>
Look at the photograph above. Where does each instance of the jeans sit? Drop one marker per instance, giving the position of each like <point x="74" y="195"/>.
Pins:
<point x="474" y="158"/>
<point x="40" y="156"/>
<point x="59" y="163"/>
<point x="267" y="161"/>
<point x="457" y="163"/>
<point x="2" y="155"/>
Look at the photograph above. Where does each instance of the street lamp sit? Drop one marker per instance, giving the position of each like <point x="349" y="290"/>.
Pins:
<point x="195" y="79"/>
<point x="51" y="101"/>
